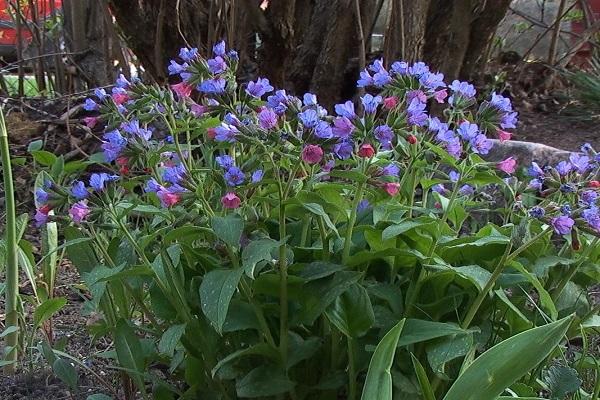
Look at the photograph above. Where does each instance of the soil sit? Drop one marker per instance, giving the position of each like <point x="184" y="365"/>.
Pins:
<point x="56" y="122"/>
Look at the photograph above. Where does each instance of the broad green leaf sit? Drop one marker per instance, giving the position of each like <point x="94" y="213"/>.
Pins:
<point x="216" y="290"/>
<point x="129" y="351"/>
<point x="447" y="349"/>
<point x="240" y="316"/>
<point x="65" y="372"/>
<point x="405" y="226"/>
<point x="99" y="396"/>
<point x="545" y="299"/>
<point x="318" y="210"/>
<point x="257" y="251"/>
<point x="352" y="312"/>
<point x="263" y="381"/>
<point x="261" y="349"/>
<point x="44" y="157"/>
<point x="8" y="331"/>
<point x="591" y="322"/>
<point x="378" y="383"/>
<point x="417" y="330"/>
<point x="79" y="251"/>
<point x="561" y="381"/>
<point x="502" y="365"/>
<point x="170" y="338"/>
<point x="35" y="145"/>
<point x="424" y="383"/>
<point x="47" y="309"/>
<point x="316" y="270"/>
<point x="229" y="228"/>
<point x="300" y="349"/>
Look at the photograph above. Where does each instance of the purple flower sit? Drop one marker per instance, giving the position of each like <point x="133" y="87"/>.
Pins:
<point x="175" y="68"/>
<point x="133" y="128"/>
<point x="79" y="190"/>
<point x="40" y="217"/>
<point x="345" y="110"/>
<point x="309" y="118"/>
<point x="79" y="211"/>
<point x="454" y="176"/>
<point x="589" y="197"/>
<point x="562" y="225"/>
<point x="580" y="162"/>
<point x="98" y="181"/>
<point x="41" y="196"/>
<point x="466" y="190"/>
<point x="219" y="48"/>
<point x="592" y="217"/>
<point x="363" y="205"/>
<point x="342" y="128"/>
<point x="537" y="212"/>
<point x="535" y="184"/>
<point x="113" y="145"/>
<point x="259" y="88"/>
<point x="463" y="89"/>
<point x="384" y="134"/>
<point x="565" y="209"/>
<point x="400" y="68"/>
<point x="278" y="101"/>
<point x="563" y="168"/>
<point x="370" y="103"/>
<point x="174" y="174"/>
<point x="381" y="78"/>
<point x="468" y="131"/>
<point x="100" y="94"/>
<point x="233" y="55"/>
<point x="267" y="119"/>
<point x="234" y="176"/>
<point x="188" y="54"/>
<point x="391" y="169"/>
<point x="323" y="130"/>
<point x="152" y="186"/>
<point x="257" y="176"/>
<point x="343" y="150"/>
<point x="212" y="86"/>
<point x="535" y="171"/>
<point x="217" y="65"/>
<point x="481" y="144"/>
<point x="432" y="80"/>
<point x="225" y="161"/>
<point x="418" y="69"/>
<point x="90" y="105"/>
<point x="567" y="188"/>
<point x="454" y="147"/>
<point x="416" y="94"/>
<point x="365" y="79"/>
<point x="509" y="120"/>
<point x="416" y="113"/>
<point x="122" y="82"/>
<point x="439" y="188"/>
<point x="309" y="99"/>
<point x="587" y="148"/>
<point x="226" y="133"/>
<point x="501" y="103"/>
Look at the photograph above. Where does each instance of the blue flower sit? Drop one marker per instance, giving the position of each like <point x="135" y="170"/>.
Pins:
<point x="188" y="54"/>
<point x="481" y="144"/>
<point x="384" y="134"/>
<point x="400" y="68"/>
<point x="418" y="69"/>
<point x="454" y="176"/>
<point x="234" y="176"/>
<point x="562" y="225"/>
<point x="217" y="65"/>
<point x="41" y="196"/>
<point x="309" y="118"/>
<point x="535" y="171"/>
<point x="432" y="80"/>
<point x="175" y="68"/>
<point x="346" y="110"/>
<point x="267" y="118"/>
<point x="100" y="94"/>
<point x="363" y="205"/>
<point x="174" y="174"/>
<point x="592" y="217"/>
<point x="454" y="147"/>
<point x="509" y="120"/>
<point x="323" y="130"/>
<point x="563" y="168"/>
<point x="587" y="148"/>
<point x="79" y="190"/>
<point x="466" y="190"/>
<point x="535" y="184"/>
<point x="152" y="186"/>
<point x="565" y="209"/>
<point x="133" y="128"/>
<point x="501" y="103"/>
<point x="365" y="79"/>
<point x="391" y="169"/>
<point x="309" y="99"/>
<point x="580" y="162"/>
<point x="259" y="88"/>
<point x="278" y="101"/>
<point x="589" y="197"/>
<point x="226" y="133"/>
<point x="468" y="131"/>
<point x="370" y="103"/>
<point x="219" y="49"/>
<point x="98" y="181"/>
<point x="342" y="128"/>
<point x="381" y="78"/>
<point x="233" y="55"/>
<point x="225" y="161"/>
<point x="343" y="150"/>
<point x="90" y="105"/>
<point x="213" y="86"/>
<point x="567" y="188"/>
<point x="257" y="176"/>
<point x="537" y="212"/>
<point x="416" y="113"/>
<point x="113" y="145"/>
<point x="122" y="82"/>
<point x="464" y="89"/>
<point x="439" y="188"/>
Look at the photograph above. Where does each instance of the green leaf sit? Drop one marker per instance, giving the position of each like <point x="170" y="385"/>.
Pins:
<point x="8" y="331"/>
<point x="561" y="381"/>
<point x="426" y="389"/>
<point x="317" y="270"/>
<point x="35" y="145"/>
<point x="257" y="251"/>
<point x="79" y="251"/>
<point x="47" y="309"/>
<point x="447" y="349"/>
<point x="545" y="299"/>
<point x="378" y="383"/>
<point x="318" y="210"/>
<point x="394" y="230"/>
<point x="44" y="157"/>
<point x="129" y="351"/>
<point x="216" y="290"/>
<point x="502" y="365"/>
<point x="65" y="372"/>
<point x="229" y="228"/>
<point x="417" y="330"/>
<point x="352" y="312"/>
<point x="99" y="396"/>
<point x="263" y="381"/>
<point x="260" y="349"/>
<point x="170" y="338"/>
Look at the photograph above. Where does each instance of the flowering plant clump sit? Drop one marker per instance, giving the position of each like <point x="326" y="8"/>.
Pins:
<point x="255" y="245"/>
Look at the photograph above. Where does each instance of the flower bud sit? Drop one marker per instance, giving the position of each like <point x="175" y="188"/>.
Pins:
<point x="412" y="139"/>
<point x="366" y="151"/>
<point x="594" y="184"/>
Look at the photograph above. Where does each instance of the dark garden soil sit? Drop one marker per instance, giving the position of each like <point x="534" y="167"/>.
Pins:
<point x="56" y="123"/>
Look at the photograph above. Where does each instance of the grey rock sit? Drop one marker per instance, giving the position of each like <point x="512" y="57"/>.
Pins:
<point x="526" y="152"/>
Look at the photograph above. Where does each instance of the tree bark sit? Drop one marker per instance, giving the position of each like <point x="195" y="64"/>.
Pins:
<point x="405" y="35"/>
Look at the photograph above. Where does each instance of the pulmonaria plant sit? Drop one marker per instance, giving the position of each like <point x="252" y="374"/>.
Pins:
<point x="257" y="233"/>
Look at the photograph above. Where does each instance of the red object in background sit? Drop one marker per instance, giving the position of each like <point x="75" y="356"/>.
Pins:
<point x="8" y="32"/>
<point x="584" y="54"/>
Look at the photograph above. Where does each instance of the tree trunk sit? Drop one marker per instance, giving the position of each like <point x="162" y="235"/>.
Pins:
<point x="406" y="28"/>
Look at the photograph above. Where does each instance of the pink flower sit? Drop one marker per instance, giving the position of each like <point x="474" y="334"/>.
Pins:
<point x="390" y="102"/>
<point x="366" y="151"/>
<point x="183" y="90"/>
<point x="198" y="110"/>
<point x="90" y="122"/>
<point x="412" y="139"/>
<point x="440" y="95"/>
<point x="392" y="188"/>
<point x="312" y="154"/>
<point x="41" y="215"/>
<point x="230" y="200"/>
<point x="119" y="98"/>
<point x="503" y="135"/>
<point x="509" y="165"/>
<point x="211" y="133"/>
<point x="79" y="211"/>
<point x="167" y="198"/>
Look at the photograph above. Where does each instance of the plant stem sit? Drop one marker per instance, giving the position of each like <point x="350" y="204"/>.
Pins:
<point x="12" y="268"/>
<point x="351" y="370"/>
<point x="351" y="222"/>
<point x="573" y="270"/>
<point x="283" y="290"/>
